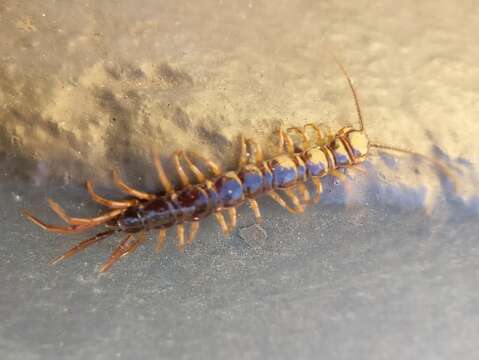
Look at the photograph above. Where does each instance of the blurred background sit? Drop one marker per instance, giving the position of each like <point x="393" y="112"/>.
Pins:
<point x="385" y="267"/>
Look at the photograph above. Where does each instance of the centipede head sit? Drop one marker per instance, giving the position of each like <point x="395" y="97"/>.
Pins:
<point x="356" y="139"/>
<point x="358" y="145"/>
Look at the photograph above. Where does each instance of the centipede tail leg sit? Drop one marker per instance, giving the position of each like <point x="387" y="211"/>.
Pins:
<point x="82" y="246"/>
<point x="124" y="248"/>
<point x="275" y="196"/>
<point x="81" y="221"/>
<point x="54" y="228"/>
<point x="117" y="253"/>
<point x="113" y="204"/>
<point x="160" y="240"/>
<point x="129" y="190"/>
<point x="164" y="180"/>
<point x="78" y="224"/>
<point x="254" y="206"/>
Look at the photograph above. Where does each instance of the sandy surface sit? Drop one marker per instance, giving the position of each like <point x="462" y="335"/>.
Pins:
<point x="387" y="269"/>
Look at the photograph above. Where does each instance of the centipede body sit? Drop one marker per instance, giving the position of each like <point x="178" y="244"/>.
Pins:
<point x="282" y="177"/>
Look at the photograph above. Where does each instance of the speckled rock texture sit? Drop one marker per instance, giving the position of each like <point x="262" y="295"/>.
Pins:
<point x="88" y="86"/>
<point x="385" y="268"/>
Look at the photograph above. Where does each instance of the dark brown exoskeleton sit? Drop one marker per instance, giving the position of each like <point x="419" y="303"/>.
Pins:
<point x="223" y="192"/>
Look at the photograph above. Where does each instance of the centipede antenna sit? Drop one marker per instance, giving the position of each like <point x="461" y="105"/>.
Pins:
<point x="438" y="163"/>
<point x="353" y="90"/>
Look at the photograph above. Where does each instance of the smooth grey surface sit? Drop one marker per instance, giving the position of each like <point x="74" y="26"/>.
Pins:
<point x="365" y="282"/>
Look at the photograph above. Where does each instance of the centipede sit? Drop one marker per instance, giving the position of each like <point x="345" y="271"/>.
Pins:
<point x="283" y="177"/>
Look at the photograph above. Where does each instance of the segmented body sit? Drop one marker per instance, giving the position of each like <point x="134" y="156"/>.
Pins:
<point x="286" y="173"/>
<point x="232" y="189"/>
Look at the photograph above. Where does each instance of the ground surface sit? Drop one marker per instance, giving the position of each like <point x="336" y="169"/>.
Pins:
<point x="389" y="270"/>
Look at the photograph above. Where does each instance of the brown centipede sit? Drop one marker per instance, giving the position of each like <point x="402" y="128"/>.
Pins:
<point x="223" y="192"/>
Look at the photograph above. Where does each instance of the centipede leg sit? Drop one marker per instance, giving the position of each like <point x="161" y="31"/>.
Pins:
<point x="281" y="140"/>
<point x="298" y="209"/>
<point x="128" y="190"/>
<point x="221" y="221"/>
<point x="160" y="240"/>
<point x="195" y="225"/>
<point x="330" y="136"/>
<point x="233" y="218"/>
<point x="180" y="232"/>
<point x="254" y="206"/>
<point x="284" y="138"/>
<point x="211" y="165"/>
<point x="179" y="169"/>
<point x="343" y="178"/>
<point x="200" y="177"/>
<point x="304" y="136"/>
<point x="289" y="143"/>
<point x="123" y="249"/>
<point x="256" y="149"/>
<point x="358" y="169"/>
<point x="243" y="160"/>
<point x="82" y="246"/>
<point x="164" y="180"/>
<point x="113" y="204"/>
<point x="305" y="193"/>
<point x="214" y="168"/>
<point x="318" y="189"/>
<point x="81" y="221"/>
<point x="294" y="198"/>
<point x="321" y="139"/>
<point x="338" y="174"/>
